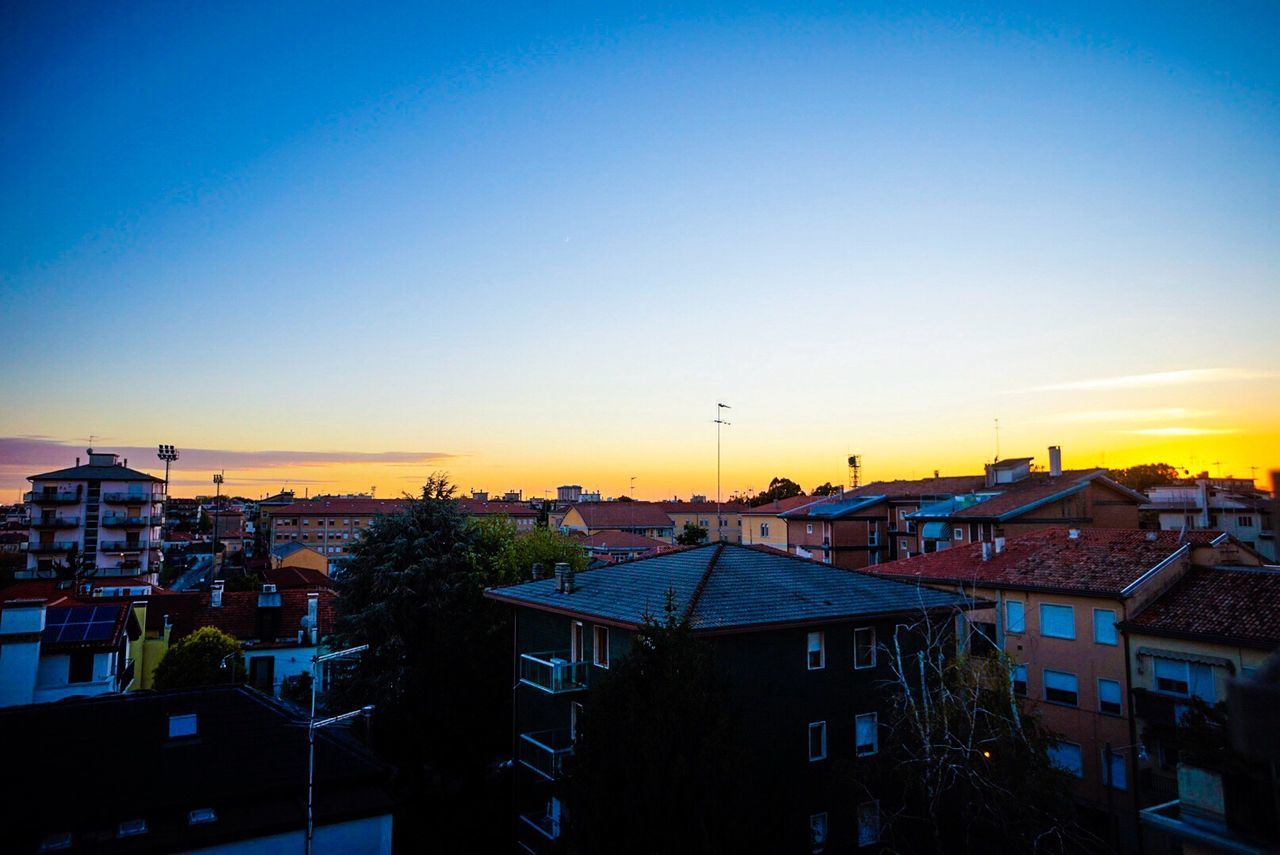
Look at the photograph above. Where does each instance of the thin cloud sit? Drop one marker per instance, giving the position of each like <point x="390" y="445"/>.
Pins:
<point x="1184" y="377"/>
<point x="1183" y="431"/>
<point x="1152" y="414"/>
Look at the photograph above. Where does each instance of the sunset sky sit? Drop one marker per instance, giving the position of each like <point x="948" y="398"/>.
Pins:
<point x="329" y="249"/>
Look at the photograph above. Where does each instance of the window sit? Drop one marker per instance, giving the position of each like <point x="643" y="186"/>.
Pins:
<point x="868" y="823"/>
<point x="182" y="725"/>
<point x="817" y="651"/>
<point x="873" y="534"/>
<point x="1109" y="700"/>
<point x="818" y="831"/>
<point x="201" y="816"/>
<point x="576" y="640"/>
<point x="957" y="533"/>
<point x="1061" y="687"/>
<point x="817" y="741"/>
<point x="600" y="638"/>
<point x="1113" y="770"/>
<point x="1019" y="679"/>
<point x="1066" y="757"/>
<point x="56" y="842"/>
<point x="1172" y="677"/>
<point x="808" y="528"/>
<point x="81" y="668"/>
<point x="866" y="734"/>
<point x="131" y="828"/>
<point x="764" y="529"/>
<point x="1104" y="626"/>
<point x="1244" y="522"/>
<point x="864" y="647"/>
<point x="902" y="544"/>
<point x="1015" y="616"/>
<point x="1057" y="621"/>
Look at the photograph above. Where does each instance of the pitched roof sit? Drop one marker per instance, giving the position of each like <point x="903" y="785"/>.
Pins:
<point x="728" y="586"/>
<point x="914" y="490"/>
<point x="326" y="507"/>
<point x="238" y="614"/>
<point x="477" y="508"/>
<point x="834" y="507"/>
<point x="604" y="541"/>
<point x="96" y="473"/>
<point x="297" y="577"/>
<point x="623" y="515"/>
<point x="701" y="507"/>
<point x="1098" y="560"/>
<point x="1234" y="604"/>
<point x="1006" y="501"/>
<point x="778" y="506"/>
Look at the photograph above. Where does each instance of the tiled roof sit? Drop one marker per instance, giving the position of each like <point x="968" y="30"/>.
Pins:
<point x="238" y="614"/>
<point x="477" y="508"/>
<point x="779" y="506"/>
<point x="1006" y="501"/>
<point x="1242" y="605"/>
<point x="296" y="577"/>
<point x="729" y="586"/>
<point x="96" y="473"/>
<point x="1099" y="560"/>
<point x="625" y="540"/>
<point x="326" y="507"/>
<point x="623" y="515"/>
<point x="908" y="490"/>
<point x="701" y="507"/>
<point x="835" y="507"/>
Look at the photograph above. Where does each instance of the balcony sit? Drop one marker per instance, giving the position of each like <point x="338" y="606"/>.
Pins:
<point x="125" y="546"/>
<point x="553" y="672"/>
<point x="546" y="751"/>
<point x="53" y="522"/>
<point x="546" y="822"/>
<point x="132" y="498"/>
<point x="50" y="547"/>
<point x="124" y="521"/>
<point x="51" y="497"/>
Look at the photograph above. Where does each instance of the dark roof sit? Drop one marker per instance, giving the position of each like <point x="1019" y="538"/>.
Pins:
<point x="623" y="515"/>
<point x="730" y="587"/>
<point x="914" y="490"/>
<point x="248" y="762"/>
<point x="1099" y="560"/>
<point x="701" y="507"/>
<point x="96" y="473"/>
<point x="477" y="508"/>
<point x="238" y="614"/>
<point x="297" y="577"/>
<point x="1006" y="501"/>
<point x="332" y="507"/>
<point x="284" y="550"/>
<point x="835" y="507"/>
<point x="1237" y="605"/>
<point x="84" y="626"/>
<point x="623" y="541"/>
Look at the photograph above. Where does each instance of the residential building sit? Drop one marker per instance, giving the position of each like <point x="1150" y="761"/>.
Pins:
<point x="97" y="519"/>
<point x="1060" y="596"/>
<point x="703" y="514"/>
<point x="1213" y="626"/>
<point x="795" y="642"/>
<point x="521" y="516"/>
<point x="1233" y="505"/>
<point x="643" y="518"/>
<point x="764" y="525"/>
<point x="296" y="554"/>
<point x="329" y="526"/>
<point x="570" y="493"/>
<point x="218" y="769"/>
<point x="614" y="546"/>
<point x="287" y="578"/>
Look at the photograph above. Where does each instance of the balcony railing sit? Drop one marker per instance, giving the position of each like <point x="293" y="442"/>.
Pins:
<point x="543" y="822"/>
<point x="52" y="546"/>
<point x="132" y="498"/>
<point x="51" y="497"/>
<point x="125" y="546"/>
<point x="546" y="751"/>
<point x="53" y="522"/>
<point x="553" y="672"/>
<point x="124" y="521"/>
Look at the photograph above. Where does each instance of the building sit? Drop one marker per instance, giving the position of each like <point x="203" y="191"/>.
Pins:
<point x="97" y="519"/>
<point x="519" y="515"/>
<point x="329" y="526"/>
<point x="1214" y="626"/>
<point x="219" y="769"/>
<point x="794" y="640"/>
<point x="287" y="578"/>
<point x="296" y="554"/>
<point x="1233" y="505"/>
<point x="570" y="493"/>
<point x="763" y="525"/>
<point x="614" y="546"/>
<point x="1060" y="597"/>
<point x="703" y="514"/>
<point x="647" y="519"/>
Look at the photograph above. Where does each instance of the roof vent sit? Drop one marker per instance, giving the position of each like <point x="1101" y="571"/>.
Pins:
<point x="215" y="595"/>
<point x="1152" y="536"/>
<point x="986" y="551"/>
<point x="1073" y="533"/>
<point x="564" y="578"/>
<point x="999" y="544"/>
<point x="536" y="571"/>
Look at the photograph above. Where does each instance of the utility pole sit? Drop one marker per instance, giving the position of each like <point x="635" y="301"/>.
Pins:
<point x="213" y="551"/>
<point x="719" y="423"/>
<point x="315" y="724"/>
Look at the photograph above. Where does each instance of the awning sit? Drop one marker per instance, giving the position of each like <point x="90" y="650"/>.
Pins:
<point x="1184" y="656"/>
<point x="935" y="531"/>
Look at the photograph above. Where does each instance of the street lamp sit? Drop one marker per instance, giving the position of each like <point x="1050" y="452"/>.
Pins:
<point x="315" y="724"/>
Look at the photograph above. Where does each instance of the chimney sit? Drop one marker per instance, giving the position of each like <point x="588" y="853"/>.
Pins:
<point x="564" y="578"/>
<point x="991" y="475"/>
<point x="936" y="474"/>
<point x="536" y="570"/>
<point x="215" y="595"/>
<point x="999" y="544"/>
<point x="986" y="551"/>
<point x="1055" y="461"/>
<point x="1073" y="533"/>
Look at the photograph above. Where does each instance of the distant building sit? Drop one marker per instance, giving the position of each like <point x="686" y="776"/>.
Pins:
<point x="643" y="518"/>
<point x="218" y="769"/>
<point x="569" y="493"/>
<point x="100" y="519"/>
<point x="519" y="515"/>
<point x="703" y="514"/>
<point x="1232" y="505"/>
<point x="329" y="526"/>
<point x="614" y="546"/>
<point x="295" y="554"/>
<point x="764" y="525"/>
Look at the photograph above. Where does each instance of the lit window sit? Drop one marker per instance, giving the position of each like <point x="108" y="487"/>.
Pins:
<point x="817" y="651"/>
<point x="1018" y="676"/>
<point x="600" y="637"/>
<point x="1015" y="616"/>
<point x="182" y="725"/>
<point x="868" y="823"/>
<point x="1104" y="626"/>
<point x="1061" y="687"/>
<point x="867" y="734"/>
<point x="864" y="647"/>
<point x="1109" y="697"/>
<point x="1066" y="757"/>
<point x="1057" y="621"/>
<point x="56" y="842"/>
<point x="817" y="741"/>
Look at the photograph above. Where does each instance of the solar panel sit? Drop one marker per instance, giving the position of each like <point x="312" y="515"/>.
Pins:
<point x="77" y="624"/>
<point x="99" y="630"/>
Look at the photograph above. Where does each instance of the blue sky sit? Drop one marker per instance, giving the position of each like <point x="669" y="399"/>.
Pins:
<point x="547" y="241"/>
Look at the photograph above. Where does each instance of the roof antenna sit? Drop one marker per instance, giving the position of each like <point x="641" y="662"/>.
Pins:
<point x="997" y="460"/>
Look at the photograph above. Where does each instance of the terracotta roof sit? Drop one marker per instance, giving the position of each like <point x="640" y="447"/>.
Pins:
<point x="1099" y="560"/>
<point x="701" y="507"/>
<point x="1005" y="501"/>
<point x="908" y="490"/>
<point x="623" y="515"/>
<point x="477" y="508"/>
<point x="1236" y="604"/>
<point x="327" y="507"/>
<point x="604" y="541"/>
<point x="779" y="506"/>
<point x="297" y="577"/>
<point x="238" y="614"/>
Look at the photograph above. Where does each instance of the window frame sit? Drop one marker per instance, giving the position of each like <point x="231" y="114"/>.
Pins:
<point x="1115" y="633"/>
<point x="1045" y="681"/>
<point x="872" y="647"/>
<point x="1013" y="681"/>
<point x="821" y="651"/>
<point x="1067" y="771"/>
<point x="814" y="820"/>
<point x="1119" y="692"/>
<point x="1071" y="608"/>
<point x="875" y="734"/>
<point x="821" y="728"/>
<point x="1109" y="775"/>
<point x="599" y="632"/>
<point x="1155" y="677"/>
<point x="1022" y="617"/>
<point x="875" y="805"/>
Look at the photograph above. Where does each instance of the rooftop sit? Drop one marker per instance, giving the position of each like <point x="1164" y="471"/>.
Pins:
<point x="327" y="507"/>
<point x="778" y="506"/>
<point x="1234" y="604"/>
<point x="622" y="515"/>
<point x="603" y="541"/>
<point x="477" y="508"/>
<point x="1005" y="501"/>
<point x="728" y="586"/>
<point x="297" y="577"/>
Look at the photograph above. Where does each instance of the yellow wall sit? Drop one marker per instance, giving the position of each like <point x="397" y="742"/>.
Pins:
<point x="147" y="651"/>
<point x="777" y="537"/>
<point x="305" y="558"/>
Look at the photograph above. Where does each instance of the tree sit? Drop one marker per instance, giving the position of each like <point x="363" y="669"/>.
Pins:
<point x="1145" y="476"/>
<point x="826" y="489"/>
<point x="779" y="488"/>
<point x="692" y="535"/>
<point x="962" y="767"/>
<point x="201" y="659"/>
<point x="548" y="548"/>
<point x="659" y="737"/>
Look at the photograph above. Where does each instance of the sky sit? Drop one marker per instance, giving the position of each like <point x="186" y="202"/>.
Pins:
<point x="336" y="247"/>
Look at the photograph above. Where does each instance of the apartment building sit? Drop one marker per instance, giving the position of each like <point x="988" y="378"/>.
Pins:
<point x="703" y="514"/>
<point x="647" y="519"/>
<point x="1232" y="505"/>
<point x="764" y="525"/>
<point x="1060" y="598"/>
<point x="329" y="526"/>
<point x="614" y="546"/>
<point x="796" y="643"/>
<point x="97" y="519"/>
<point x="519" y="515"/>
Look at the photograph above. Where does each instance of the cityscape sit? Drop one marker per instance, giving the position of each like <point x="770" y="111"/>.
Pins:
<point x="802" y="428"/>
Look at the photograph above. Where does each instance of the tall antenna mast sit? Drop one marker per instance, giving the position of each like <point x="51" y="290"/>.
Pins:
<point x="997" y="460"/>
<point x="719" y="422"/>
<point x="855" y="471"/>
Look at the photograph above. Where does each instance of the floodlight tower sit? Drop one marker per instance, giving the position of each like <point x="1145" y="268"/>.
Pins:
<point x="168" y="454"/>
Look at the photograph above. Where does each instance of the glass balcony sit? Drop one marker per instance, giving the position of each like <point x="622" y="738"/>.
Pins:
<point x="546" y="751"/>
<point x="50" y="547"/>
<point x="51" y="497"/>
<point x="132" y="498"/>
<point x="53" y="522"/>
<point x="553" y="672"/>
<point x="123" y="521"/>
